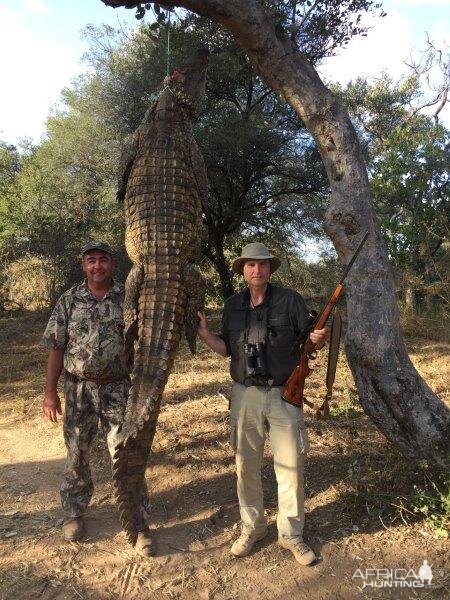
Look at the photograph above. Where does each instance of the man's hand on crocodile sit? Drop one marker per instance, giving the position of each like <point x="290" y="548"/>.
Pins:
<point x="202" y="324"/>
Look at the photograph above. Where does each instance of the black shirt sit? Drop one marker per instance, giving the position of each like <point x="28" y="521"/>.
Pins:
<point x="287" y="318"/>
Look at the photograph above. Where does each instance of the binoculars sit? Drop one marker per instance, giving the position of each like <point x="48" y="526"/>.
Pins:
<point x="255" y="358"/>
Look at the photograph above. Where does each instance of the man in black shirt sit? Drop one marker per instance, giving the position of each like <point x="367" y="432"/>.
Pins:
<point x="261" y="327"/>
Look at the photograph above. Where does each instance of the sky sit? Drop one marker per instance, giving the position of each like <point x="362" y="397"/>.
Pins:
<point x="41" y="48"/>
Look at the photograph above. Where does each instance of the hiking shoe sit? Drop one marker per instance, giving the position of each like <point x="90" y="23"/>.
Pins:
<point x="245" y="542"/>
<point x="301" y="551"/>
<point x="144" y="545"/>
<point x="73" y="529"/>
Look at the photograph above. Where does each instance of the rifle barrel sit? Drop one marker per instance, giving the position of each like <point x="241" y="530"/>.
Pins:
<point x="353" y="258"/>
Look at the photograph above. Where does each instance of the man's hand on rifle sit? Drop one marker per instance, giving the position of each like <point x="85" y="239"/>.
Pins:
<point x="319" y="337"/>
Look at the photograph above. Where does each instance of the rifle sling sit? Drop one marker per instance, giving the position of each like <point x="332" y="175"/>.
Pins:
<point x="333" y="354"/>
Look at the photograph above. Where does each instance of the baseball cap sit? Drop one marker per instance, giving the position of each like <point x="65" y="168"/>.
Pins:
<point x="97" y="245"/>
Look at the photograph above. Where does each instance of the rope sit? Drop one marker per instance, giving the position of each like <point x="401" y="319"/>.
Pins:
<point x="155" y="96"/>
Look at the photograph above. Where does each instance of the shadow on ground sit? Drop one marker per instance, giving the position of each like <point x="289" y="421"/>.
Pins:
<point x="213" y="493"/>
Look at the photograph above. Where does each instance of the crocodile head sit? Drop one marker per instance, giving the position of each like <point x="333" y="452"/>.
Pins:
<point x="188" y="82"/>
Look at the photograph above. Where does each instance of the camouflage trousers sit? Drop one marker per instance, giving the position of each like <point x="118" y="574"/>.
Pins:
<point x="87" y="403"/>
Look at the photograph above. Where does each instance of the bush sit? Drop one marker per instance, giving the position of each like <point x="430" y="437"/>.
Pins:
<point x="433" y="325"/>
<point x="34" y="282"/>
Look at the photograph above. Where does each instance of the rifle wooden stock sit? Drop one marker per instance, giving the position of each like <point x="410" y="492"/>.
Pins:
<point x="293" y="390"/>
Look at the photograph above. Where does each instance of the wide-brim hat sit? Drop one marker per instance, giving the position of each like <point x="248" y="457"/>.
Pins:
<point x="255" y="251"/>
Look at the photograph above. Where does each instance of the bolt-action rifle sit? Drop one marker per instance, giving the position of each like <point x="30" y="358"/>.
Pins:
<point x="293" y="390"/>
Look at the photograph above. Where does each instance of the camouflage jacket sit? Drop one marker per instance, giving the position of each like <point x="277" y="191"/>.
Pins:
<point x="90" y="331"/>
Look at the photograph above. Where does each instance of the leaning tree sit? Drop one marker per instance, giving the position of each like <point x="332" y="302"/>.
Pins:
<point x="392" y="393"/>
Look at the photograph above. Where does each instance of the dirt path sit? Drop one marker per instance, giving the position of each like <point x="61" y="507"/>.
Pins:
<point x="350" y="471"/>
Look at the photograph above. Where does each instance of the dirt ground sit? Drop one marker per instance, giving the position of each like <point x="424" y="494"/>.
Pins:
<point x="357" y="491"/>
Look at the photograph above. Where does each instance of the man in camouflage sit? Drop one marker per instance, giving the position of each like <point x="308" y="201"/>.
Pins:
<point x="85" y="338"/>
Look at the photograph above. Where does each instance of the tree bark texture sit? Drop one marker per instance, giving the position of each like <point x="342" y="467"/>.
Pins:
<point x="217" y="258"/>
<point x="390" y="390"/>
<point x="225" y="274"/>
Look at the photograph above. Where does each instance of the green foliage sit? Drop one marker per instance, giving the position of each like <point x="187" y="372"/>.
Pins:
<point x="316" y="281"/>
<point x="409" y="167"/>
<point x="63" y="193"/>
<point x="347" y="407"/>
<point x="10" y="164"/>
<point x="266" y="178"/>
<point x="265" y="175"/>
<point x="410" y="173"/>
<point x="402" y="493"/>
<point x="319" y="28"/>
<point x="127" y="73"/>
<point x="432" y="500"/>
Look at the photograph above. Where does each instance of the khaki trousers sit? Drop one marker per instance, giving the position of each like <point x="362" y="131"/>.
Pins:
<point x="256" y="410"/>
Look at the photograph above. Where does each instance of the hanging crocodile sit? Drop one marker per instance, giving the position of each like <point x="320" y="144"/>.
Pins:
<point x="162" y="182"/>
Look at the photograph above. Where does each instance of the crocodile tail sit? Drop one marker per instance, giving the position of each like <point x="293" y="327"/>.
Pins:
<point x="161" y="308"/>
<point x="129" y="464"/>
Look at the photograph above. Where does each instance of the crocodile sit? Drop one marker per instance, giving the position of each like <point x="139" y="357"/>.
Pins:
<point x="163" y="185"/>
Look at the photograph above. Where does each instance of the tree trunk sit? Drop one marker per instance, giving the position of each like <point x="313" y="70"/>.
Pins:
<point x="390" y="390"/>
<point x="226" y="278"/>
<point x="214" y="251"/>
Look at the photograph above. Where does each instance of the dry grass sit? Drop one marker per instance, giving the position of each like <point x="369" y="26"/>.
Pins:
<point x="360" y="494"/>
